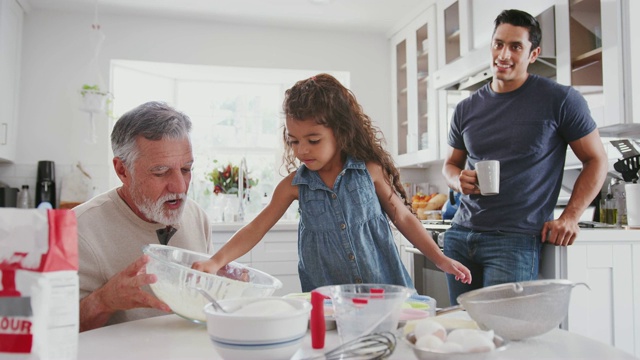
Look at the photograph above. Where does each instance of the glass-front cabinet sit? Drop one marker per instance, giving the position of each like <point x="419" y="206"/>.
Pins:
<point x="590" y="55"/>
<point x="413" y="61"/>
<point x="454" y="30"/>
<point x="585" y="30"/>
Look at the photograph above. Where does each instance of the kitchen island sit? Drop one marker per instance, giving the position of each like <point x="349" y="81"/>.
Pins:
<point x="172" y="337"/>
<point x="608" y="261"/>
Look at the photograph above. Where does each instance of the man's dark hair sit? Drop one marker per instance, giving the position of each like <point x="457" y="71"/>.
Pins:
<point x="523" y="19"/>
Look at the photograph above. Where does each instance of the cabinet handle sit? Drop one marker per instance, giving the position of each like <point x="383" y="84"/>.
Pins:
<point x="6" y="133"/>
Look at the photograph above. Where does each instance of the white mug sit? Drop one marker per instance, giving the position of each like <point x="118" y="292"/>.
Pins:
<point x="488" y="172"/>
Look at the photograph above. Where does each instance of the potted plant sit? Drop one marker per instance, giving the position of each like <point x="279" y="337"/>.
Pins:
<point x="94" y="100"/>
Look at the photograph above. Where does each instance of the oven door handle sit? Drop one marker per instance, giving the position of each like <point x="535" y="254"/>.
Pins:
<point x="413" y="250"/>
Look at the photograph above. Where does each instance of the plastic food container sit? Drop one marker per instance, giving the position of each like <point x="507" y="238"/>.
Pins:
<point x="362" y="309"/>
<point x="424" y="214"/>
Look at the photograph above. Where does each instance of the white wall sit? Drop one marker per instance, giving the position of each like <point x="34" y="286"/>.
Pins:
<point x="57" y="51"/>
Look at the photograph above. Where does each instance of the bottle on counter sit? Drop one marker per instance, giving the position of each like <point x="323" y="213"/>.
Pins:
<point x="620" y="198"/>
<point x="24" y="200"/>
<point x="611" y="213"/>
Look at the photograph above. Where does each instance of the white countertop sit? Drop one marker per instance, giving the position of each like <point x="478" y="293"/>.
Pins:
<point x="282" y="225"/>
<point x="612" y="234"/>
<point x="172" y="337"/>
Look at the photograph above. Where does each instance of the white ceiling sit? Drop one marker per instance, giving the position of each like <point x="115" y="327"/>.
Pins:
<point x="370" y="16"/>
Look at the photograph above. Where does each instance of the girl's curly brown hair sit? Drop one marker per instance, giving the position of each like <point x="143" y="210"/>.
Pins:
<point x="324" y="99"/>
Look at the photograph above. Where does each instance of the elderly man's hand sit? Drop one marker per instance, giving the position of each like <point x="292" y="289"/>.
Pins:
<point x="123" y="291"/>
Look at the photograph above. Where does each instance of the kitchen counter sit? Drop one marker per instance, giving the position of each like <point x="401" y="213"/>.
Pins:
<point x="282" y="225"/>
<point x="171" y="337"/>
<point x="608" y="261"/>
<point x="617" y="234"/>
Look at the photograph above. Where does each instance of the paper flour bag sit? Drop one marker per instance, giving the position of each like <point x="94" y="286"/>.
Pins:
<point x="39" y="292"/>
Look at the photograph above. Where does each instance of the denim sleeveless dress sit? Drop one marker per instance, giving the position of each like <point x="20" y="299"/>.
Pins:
<point x="344" y="236"/>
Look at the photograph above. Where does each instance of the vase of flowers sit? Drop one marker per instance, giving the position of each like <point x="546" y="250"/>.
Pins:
<point x="225" y="179"/>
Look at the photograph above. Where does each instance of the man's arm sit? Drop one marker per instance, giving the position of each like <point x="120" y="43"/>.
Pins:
<point x="121" y="292"/>
<point x="590" y="152"/>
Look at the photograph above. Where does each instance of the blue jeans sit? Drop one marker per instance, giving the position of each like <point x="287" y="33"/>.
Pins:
<point x="493" y="257"/>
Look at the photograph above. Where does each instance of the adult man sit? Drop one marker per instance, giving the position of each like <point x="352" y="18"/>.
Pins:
<point x="524" y="121"/>
<point x="153" y="159"/>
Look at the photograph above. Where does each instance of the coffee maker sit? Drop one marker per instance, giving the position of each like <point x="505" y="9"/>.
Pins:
<point x="8" y="196"/>
<point x="46" y="183"/>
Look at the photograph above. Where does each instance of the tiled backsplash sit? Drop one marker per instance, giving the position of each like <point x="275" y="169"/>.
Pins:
<point x="16" y="175"/>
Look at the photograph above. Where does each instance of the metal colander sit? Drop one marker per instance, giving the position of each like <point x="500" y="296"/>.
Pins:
<point x="520" y="310"/>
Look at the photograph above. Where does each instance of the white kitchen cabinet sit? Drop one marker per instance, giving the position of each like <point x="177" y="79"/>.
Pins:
<point x="455" y="36"/>
<point x="609" y="262"/>
<point x="405" y="256"/>
<point x="590" y="55"/>
<point x="276" y="254"/>
<point x="11" y="18"/>
<point x="607" y="312"/>
<point x="413" y="60"/>
<point x="631" y="12"/>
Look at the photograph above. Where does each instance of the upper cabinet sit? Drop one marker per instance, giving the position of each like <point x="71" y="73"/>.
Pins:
<point x="590" y="56"/>
<point x="11" y="17"/>
<point x="413" y="60"/>
<point x="454" y="30"/>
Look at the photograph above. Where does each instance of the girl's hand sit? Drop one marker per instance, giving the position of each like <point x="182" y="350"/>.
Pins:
<point x="209" y="266"/>
<point x="456" y="269"/>
<point x="235" y="273"/>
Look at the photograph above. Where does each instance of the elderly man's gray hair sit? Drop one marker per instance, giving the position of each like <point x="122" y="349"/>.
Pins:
<point x="154" y="121"/>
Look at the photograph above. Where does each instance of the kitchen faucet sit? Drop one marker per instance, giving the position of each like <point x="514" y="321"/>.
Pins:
<point x="242" y="172"/>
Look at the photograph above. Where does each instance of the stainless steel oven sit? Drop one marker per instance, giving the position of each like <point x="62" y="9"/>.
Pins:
<point x="427" y="278"/>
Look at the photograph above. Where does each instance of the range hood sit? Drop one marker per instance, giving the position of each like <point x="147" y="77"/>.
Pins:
<point x="473" y="70"/>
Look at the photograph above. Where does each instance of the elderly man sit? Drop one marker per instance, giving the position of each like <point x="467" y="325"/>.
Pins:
<point x="153" y="159"/>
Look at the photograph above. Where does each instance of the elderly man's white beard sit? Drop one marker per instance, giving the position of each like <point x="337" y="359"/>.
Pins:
<point x="155" y="211"/>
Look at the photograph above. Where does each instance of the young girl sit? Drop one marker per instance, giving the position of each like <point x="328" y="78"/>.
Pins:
<point x="347" y="188"/>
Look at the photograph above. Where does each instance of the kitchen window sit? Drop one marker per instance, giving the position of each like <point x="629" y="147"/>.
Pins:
<point x="236" y="112"/>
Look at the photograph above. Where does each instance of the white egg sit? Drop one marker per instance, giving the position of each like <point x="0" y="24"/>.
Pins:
<point x="430" y="327"/>
<point x="459" y="335"/>
<point x="451" y="347"/>
<point x="477" y="343"/>
<point x="429" y="342"/>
